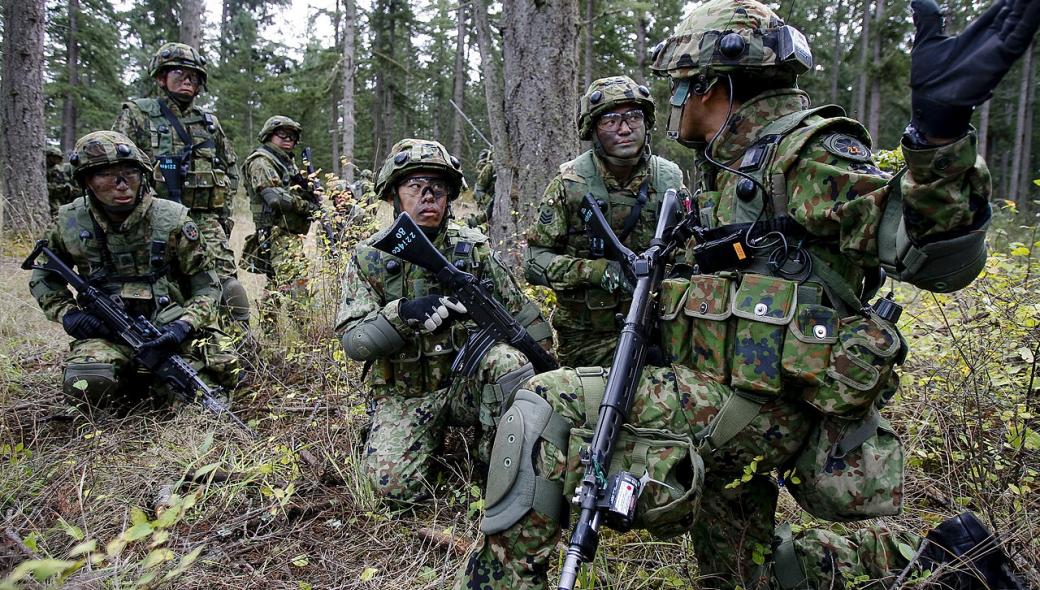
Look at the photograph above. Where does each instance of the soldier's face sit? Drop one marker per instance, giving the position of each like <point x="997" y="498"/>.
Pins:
<point x="285" y="139"/>
<point x="115" y="185"/>
<point x="183" y="82"/>
<point x="622" y="132"/>
<point x="424" y="196"/>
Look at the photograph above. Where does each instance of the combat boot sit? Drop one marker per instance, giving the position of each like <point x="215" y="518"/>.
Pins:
<point x="963" y="554"/>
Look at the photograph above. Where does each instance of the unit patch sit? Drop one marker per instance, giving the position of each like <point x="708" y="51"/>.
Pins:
<point x="190" y="231"/>
<point x="847" y="147"/>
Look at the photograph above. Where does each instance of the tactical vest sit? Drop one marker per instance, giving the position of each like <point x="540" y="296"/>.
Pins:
<point x="291" y="221"/>
<point x="205" y="185"/>
<point x="132" y="265"/>
<point x="424" y="364"/>
<point x="592" y="308"/>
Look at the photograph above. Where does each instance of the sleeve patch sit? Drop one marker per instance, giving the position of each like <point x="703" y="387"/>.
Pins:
<point x="546" y="215"/>
<point x="190" y="231"/>
<point x="847" y="147"/>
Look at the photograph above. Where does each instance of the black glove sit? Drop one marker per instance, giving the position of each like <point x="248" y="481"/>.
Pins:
<point x="614" y="279"/>
<point x="172" y="335"/>
<point x="950" y="76"/>
<point x="431" y="311"/>
<point x="82" y="324"/>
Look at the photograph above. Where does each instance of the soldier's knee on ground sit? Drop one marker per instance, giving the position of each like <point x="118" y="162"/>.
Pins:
<point x="93" y="383"/>
<point x="396" y="489"/>
<point x="234" y="298"/>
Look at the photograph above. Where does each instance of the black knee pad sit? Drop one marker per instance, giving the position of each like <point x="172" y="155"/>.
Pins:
<point x="233" y="296"/>
<point x="93" y="383"/>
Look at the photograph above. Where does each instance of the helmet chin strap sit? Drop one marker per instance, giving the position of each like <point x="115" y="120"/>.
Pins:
<point x="430" y="232"/>
<point x="180" y="98"/>
<point x="616" y="161"/>
<point x="119" y="209"/>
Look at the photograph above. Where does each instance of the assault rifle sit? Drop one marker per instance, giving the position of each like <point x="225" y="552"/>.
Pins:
<point x="309" y="187"/>
<point x="136" y="333"/>
<point x="613" y="501"/>
<point x="406" y="241"/>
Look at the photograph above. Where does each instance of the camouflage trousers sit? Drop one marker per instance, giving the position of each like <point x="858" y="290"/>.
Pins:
<point x="408" y="431"/>
<point x="216" y="242"/>
<point x="734" y="527"/>
<point x="585" y="348"/>
<point x="286" y="288"/>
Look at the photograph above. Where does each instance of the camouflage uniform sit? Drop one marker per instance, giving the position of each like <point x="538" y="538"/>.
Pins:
<point x="60" y="187"/>
<point x="159" y="266"/>
<point x="484" y="191"/>
<point x="834" y="365"/>
<point x="559" y="254"/>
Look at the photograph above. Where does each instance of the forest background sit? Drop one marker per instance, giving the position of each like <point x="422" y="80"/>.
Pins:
<point x="183" y="500"/>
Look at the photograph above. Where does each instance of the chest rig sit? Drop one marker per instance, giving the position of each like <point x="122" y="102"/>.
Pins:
<point x="263" y="215"/>
<point x="186" y="156"/>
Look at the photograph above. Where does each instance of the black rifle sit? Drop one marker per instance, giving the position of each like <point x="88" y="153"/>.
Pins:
<point x="136" y="333"/>
<point x="406" y="241"/>
<point x="309" y="186"/>
<point x="596" y="496"/>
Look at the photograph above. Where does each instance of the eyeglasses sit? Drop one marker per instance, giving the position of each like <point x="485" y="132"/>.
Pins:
<point x="112" y="176"/>
<point x="612" y="121"/>
<point x="287" y="135"/>
<point x="417" y="186"/>
<point x="177" y="75"/>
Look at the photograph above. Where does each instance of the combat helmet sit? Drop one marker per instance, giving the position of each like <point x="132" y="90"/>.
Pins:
<point x="178" y="55"/>
<point x="411" y="155"/>
<point x="607" y="94"/>
<point x="275" y="123"/>
<point x="102" y="148"/>
<point x="52" y="151"/>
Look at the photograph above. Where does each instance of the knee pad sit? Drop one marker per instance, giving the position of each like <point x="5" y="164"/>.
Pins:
<point x="500" y="393"/>
<point x="93" y="383"/>
<point x="233" y="296"/>
<point x="513" y="486"/>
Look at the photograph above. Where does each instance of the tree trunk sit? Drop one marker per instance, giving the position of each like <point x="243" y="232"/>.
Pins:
<point x="860" y="107"/>
<point x="984" y="129"/>
<point x="336" y="95"/>
<point x="839" y="17"/>
<point x="589" y="33"/>
<point x="191" y="22"/>
<point x="642" y="22"/>
<point x="1026" y="173"/>
<point x="69" y="110"/>
<point x="539" y="37"/>
<point x="458" y="93"/>
<point x="874" y="112"/>
<point x="24" y="196"/>
<point x="349" y="27"/>
<point x="1014" y="182"/>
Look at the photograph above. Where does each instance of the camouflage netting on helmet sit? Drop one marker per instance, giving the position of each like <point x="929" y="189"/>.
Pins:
<point x="275" y="123"/>
<point x="178" y="55"/>
<point x="607" y="94"/>
<point x="701" y="44"/>
<point x="412" y="155"/>
<point x="103" y="148"/>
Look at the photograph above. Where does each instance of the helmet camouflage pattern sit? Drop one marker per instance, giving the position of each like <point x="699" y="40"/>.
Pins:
<point x="275" y="123"/>
<point x="412" y="155"/>
<point x="53" y="151"/>
<point x="177" y="55"/>
<point x="724" y="36"/>
<point x="102" y="148"/>
<point x="606" y="94"/>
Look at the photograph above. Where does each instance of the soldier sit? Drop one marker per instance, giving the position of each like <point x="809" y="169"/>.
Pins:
<point x="282" y="215"/>
<point x="196" y="164"/>
<point x="364" y="189"/>
<point x="785" y="363"/>
<point x="616" y="114"/>
<point x="393" y="317"/>
<point x="147" y="251"/>
<point x="60" y="187"/>
<point x="484" y="190"/>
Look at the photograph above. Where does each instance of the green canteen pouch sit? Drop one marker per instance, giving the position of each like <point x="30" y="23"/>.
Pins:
<point x="849" y="470"/>
<point x="763" y="306"/>
<point x="862" y="363"/>
<point x="675" y="325"/>
<point x="807" y="347"/>
<point x="668" y="465"/>
<point x="709" y="306"/>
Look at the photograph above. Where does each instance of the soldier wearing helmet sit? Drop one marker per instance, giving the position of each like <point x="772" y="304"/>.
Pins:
<point x="144" y="250"/>
<point x="394" y="317"/>
<point x="282" y="216"/>
<point x="60" y="187"/>
<point x="616" y="115"/>
<point x="195" y="163"/>
<point x="782" y="356"/>
<point x="483" y="191"/>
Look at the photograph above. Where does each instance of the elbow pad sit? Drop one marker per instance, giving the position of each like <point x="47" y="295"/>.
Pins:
<point x="943" y="265"/>
<point x="373" y="339"/>
<point x="536" y="263"/>
<point x="276" y="199"/>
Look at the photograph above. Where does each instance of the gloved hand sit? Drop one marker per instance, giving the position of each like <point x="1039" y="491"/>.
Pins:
<point x="431" y="311"/>
<point x="614" y="279"/>
<point x="172" y="335"/>
<point x="950" y="76"/>
<point x="82" y="324"/>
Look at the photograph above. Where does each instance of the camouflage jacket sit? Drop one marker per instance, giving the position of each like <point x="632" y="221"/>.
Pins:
<point x="269" y="167"/>
<point x="483" y="194"/>
<point x="558" y="253"/>
<point x="61" y="188"/>
<point x="212" y="178"/>
<point x="833" y="189"/>
<point x="375" y="283"/>
<point x="156" y="261"/>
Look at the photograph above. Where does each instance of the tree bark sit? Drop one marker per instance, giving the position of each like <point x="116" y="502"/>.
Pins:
<point x="349" y="27"/>
<point x="588" y="34"/>
<point x="69" y="106"/>
<point x="839" y="17"/>
<point x="191" y="22"/>
<point x="336" y="95"/>
<point x="642" y="23"/>
<point x="1015" y="181"/>
<point x="458" y="93"/>
<point x="24" y="200"/>
<point x="874" y="111"/>
<point x="1026" y="172"/>
<point x="539" y="48"/>
<point x="984" y="129"/>
<point x="860" y="106"/>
